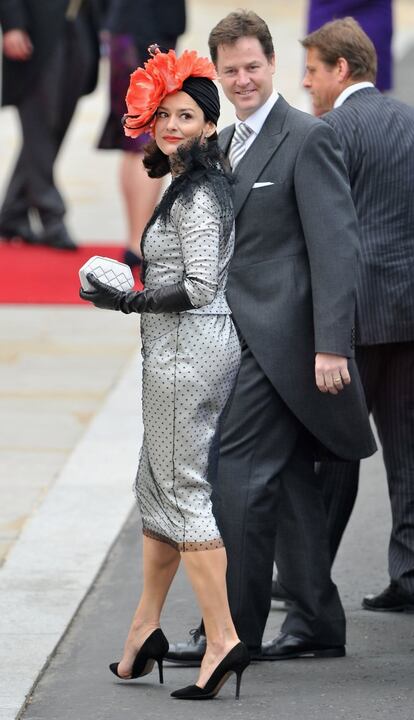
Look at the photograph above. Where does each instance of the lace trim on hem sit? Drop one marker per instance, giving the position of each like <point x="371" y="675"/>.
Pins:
<point x="186" y="546"/>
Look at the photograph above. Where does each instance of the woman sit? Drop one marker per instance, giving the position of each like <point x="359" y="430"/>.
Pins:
<point x="131" y="25"/>
<point x="190" y="360"/>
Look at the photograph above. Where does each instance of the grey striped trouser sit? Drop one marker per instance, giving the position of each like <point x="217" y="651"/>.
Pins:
<point x="387" y="374"/>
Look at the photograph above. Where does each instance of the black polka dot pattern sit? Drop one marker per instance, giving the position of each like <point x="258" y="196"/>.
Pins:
<point x="190" y="363"/>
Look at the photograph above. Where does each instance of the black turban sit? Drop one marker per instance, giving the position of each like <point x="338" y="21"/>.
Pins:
<point x="205" y="94"/>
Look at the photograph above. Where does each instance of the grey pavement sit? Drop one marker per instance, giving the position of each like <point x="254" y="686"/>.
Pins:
<point x="374" y="681"/>
<point x="71" y="430"/>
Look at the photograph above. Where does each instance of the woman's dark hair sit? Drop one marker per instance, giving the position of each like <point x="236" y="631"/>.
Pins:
<point x="155" y="161"/>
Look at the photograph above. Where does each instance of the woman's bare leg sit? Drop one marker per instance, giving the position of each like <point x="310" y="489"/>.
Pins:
<point x="207" y="572"/>
<point x="140" y="194"/>
<point x="160" y="563"/>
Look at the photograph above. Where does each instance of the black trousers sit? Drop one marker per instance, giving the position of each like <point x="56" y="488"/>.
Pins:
<point x="387" y="374"/>
<point x="265" y="488"/>
<point x="45" y="114"/>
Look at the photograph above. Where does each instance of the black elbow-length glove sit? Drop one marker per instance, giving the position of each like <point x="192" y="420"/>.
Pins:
<point x="171" y="298"/>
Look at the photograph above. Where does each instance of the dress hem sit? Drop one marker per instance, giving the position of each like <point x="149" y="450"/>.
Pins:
<point x="186" y="545"/>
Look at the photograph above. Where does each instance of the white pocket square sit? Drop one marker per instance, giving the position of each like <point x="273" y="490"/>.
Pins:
<point x="262" y="184"/>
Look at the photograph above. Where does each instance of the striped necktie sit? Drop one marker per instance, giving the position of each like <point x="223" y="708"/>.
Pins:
<point x="238" y="144"/>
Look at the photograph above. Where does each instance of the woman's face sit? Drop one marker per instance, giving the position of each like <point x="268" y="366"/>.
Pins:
<point x="179" y="119"/>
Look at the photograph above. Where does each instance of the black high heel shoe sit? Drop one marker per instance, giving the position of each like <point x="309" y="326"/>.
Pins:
<point x="235" y="661"/>
<point x="153" y="650"/>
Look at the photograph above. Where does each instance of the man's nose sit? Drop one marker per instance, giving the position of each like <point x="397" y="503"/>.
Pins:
<point x="243" y="78"/>
<point x="306" y="80"/>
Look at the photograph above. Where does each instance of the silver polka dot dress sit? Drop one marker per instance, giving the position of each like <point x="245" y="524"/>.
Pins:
<point x="190" y="363"/>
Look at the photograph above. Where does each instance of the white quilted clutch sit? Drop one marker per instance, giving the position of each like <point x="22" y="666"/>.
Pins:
<point x="108" y="271"/>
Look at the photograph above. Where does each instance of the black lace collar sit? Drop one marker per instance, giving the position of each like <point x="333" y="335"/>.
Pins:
<point x="199" y="164"/>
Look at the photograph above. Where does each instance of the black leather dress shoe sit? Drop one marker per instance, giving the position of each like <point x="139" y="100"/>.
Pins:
<point x="15" y="233"/>
<point x="287" y="647"/>
<point x="188" y="653"/>
<point x="392" y="599"/>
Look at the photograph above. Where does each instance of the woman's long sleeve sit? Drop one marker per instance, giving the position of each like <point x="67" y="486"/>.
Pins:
<point x="198" y="226"/>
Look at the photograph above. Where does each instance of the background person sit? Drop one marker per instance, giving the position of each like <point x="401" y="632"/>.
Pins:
<point x="377" y="138"/>
<point x="375" y="18"/>
<point x="133" y="25"/>
<point x="376" y="134"/>
<point x="50" y="59"/>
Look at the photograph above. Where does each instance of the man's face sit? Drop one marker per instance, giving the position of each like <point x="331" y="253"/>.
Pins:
<point x="322" y="81"/>
<point x="245" y="74"/>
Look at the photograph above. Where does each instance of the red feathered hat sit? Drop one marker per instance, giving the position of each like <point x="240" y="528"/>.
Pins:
<point x="163" y="74"/>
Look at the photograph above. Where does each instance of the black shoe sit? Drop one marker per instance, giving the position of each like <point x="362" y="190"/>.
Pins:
<point x="14" y="233"/>
<point x="235" y="661"/>
<point x="153" y="650"/>
<point x="57" y="238"/>
<point x="286" y="647"/>
<point x="191" y="653"/>
<point x="392" y="599"/>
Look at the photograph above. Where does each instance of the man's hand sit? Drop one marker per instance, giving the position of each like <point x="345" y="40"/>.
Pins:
<point x="331" y="372"/>
<point x="17" y="45"/>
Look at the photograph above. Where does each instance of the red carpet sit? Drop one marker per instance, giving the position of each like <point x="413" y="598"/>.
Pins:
<point x="41" y="275"/>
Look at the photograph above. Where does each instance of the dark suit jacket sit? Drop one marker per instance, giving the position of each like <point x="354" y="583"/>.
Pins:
<point x="376" y="134"/>
<point x="291" y="284"/>
<point x="44" y="21"/>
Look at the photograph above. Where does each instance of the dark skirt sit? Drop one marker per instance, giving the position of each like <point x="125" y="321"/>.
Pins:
<point x="124" y="60"/>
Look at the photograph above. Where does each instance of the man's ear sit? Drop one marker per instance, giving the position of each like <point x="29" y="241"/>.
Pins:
<point x="343" y="69"/>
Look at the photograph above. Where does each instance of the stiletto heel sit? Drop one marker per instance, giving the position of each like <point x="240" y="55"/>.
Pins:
<point x="160" y="671"/>
<point x="238" y="682"/>
<point x="153" y="650"/>
<point x="236" y="661"/>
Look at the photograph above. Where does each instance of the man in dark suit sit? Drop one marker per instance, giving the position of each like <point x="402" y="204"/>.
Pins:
<point x="374" y="16"/>
<point x="50" y="59"/>
<point x="376" y="134"/>
<point x="298" y="388"/>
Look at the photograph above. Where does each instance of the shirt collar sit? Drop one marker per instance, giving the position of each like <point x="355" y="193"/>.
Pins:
<point x="256" y="121"/>
<point x="350" y="91"/>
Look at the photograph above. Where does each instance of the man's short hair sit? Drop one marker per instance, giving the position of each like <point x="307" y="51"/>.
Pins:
<point x="345" y="38"/>
<point x="239" y="24"/>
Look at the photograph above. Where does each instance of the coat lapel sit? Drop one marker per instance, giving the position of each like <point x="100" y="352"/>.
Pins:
<point x="259" y="153"/>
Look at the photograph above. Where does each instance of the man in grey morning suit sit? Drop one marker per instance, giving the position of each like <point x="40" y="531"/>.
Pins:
<point x="296" y="229"/>
<point x="377" y="138"/>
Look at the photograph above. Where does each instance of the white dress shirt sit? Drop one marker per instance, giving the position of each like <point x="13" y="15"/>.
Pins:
<point x="256" y="121"/>
<point x="350" y="90"/>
